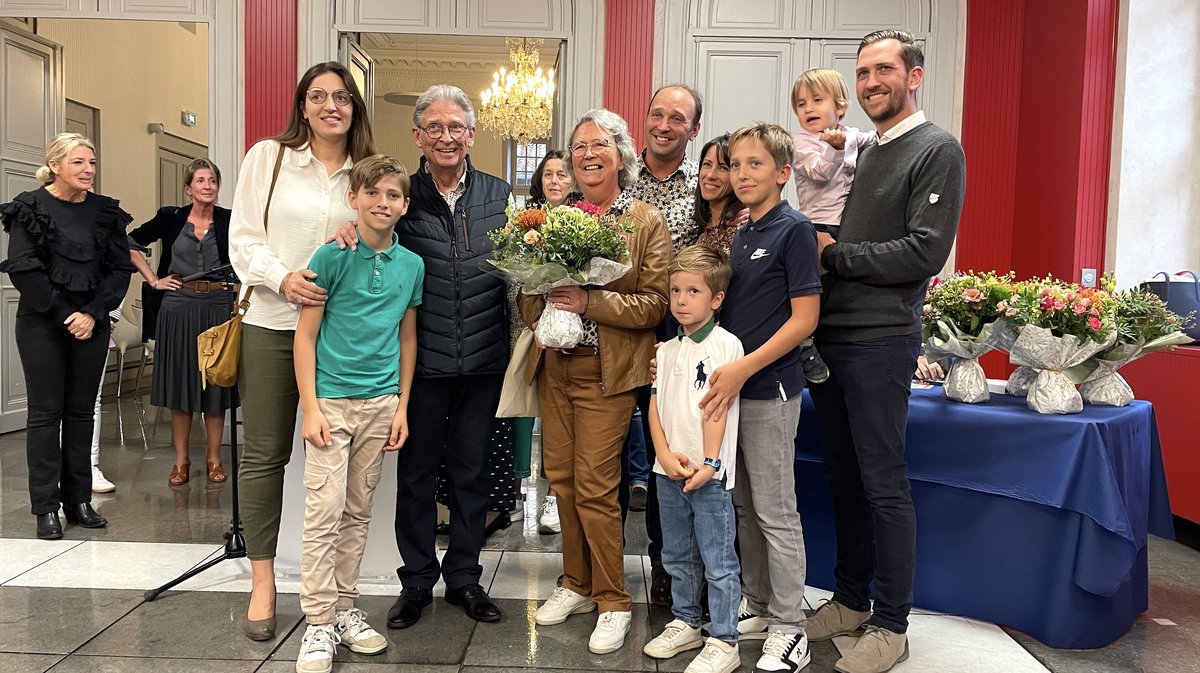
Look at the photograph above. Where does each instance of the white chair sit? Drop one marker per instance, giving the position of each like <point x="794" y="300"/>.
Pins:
<point x="127" y="334"/>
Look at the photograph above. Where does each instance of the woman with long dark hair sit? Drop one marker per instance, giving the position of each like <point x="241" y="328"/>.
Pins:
<point x="69" y="259"/>
<point x="717" y="207"/>
<point x="303" y="173"/>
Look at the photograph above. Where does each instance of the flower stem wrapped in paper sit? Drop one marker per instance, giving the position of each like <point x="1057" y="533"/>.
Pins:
<point x="552" y="247"/>
<point x="1143" y="324"/>
<point x="961" y="318"/>
<point x="1061" y="326"/>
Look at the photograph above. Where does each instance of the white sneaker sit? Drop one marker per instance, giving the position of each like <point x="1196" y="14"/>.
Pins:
<point x="676" y="637"/>
<point x="316" y="649"/>
<point x="99" y="483"/>
<point x="548" y="523"/>
<point x="609" y="634"/>
<point x="783" y="652"/>
<point x="562" y="604"/>
<point x="716" y="657"/>
<point x="750" y="626"/>
<point x="518" y="512"/>
<point x="355" y="633"/>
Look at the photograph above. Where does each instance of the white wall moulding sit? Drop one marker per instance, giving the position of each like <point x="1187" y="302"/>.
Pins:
<point x="370" y="14"/>
<point x="156" y="7"/>
<point x="506" y="15"/>
<point x="864" y="16"/>
<point x="42" y="7"/>
<point x="753" y="14"/>
<point x="163" y="10"/>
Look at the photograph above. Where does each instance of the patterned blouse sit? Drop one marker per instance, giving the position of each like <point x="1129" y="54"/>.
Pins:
<point x="719" y="237"/>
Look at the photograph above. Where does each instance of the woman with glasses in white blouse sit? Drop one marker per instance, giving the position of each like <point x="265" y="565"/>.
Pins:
<point x="327" y="132"/>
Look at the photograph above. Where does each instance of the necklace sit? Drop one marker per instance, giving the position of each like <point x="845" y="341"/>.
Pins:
<point x="200" y="232"/>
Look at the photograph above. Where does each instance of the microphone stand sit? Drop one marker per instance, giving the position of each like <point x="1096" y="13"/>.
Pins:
<point x="235" y="541"/>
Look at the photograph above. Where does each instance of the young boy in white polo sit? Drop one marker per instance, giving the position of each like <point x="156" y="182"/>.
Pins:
<point x="354" y="359"/>
<point x="693" y="465"/>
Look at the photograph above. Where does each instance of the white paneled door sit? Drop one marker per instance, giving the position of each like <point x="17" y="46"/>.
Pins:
<point x="31" y="111"/>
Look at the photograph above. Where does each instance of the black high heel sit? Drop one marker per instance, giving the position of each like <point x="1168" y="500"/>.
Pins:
<point x="83" y="515"/>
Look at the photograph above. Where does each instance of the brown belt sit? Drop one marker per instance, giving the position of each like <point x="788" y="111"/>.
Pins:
<point x="579" y="350"/>
<point x="206" y="286"/>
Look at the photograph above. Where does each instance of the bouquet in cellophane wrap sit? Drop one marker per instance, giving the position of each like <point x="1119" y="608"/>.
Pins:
<point x="962" y="318"/>
<point x="1143" y="324"/>
<point x="550" y="247"/>
<point x="1060" y="326"/>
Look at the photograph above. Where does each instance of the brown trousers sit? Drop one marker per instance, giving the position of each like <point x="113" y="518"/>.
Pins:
<point x="582" y="435"/>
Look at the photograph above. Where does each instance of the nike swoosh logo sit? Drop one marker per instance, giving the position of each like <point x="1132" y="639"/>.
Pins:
<point x="759" y="254"/>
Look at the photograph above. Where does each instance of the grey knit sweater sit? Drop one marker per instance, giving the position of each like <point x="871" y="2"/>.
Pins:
<point x="897" y="230"/>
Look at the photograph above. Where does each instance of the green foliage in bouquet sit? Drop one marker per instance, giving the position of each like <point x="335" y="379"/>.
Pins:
<point x="1141" y="317"/>
<point x="966" y="302"/>
<point x="569" y="236"/>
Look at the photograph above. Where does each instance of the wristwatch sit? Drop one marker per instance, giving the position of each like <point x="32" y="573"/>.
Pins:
<point x="714" y="463"/>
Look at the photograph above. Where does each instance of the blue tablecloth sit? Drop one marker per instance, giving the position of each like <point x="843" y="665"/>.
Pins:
<point x="1033" y="521"/>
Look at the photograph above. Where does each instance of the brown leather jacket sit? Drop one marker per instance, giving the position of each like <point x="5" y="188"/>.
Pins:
<point x="626" y="310"/>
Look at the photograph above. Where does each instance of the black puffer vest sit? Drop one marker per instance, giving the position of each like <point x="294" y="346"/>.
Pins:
<point x="462" y="326"/>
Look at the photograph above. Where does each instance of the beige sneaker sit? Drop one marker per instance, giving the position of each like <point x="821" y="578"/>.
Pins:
<point x="877" y="651"/>
<point x="355" y="633"/>
<point x="834" y="619"/>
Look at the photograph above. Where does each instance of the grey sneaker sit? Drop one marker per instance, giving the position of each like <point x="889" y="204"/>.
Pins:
<point x="812" y="364"/>
<point x="834" y="619"/>
<point x="355" y="633"/>
<point x="877" y="651"/>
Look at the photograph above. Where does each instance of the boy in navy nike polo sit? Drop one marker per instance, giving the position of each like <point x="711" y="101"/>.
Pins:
<point x="772" y="306"/>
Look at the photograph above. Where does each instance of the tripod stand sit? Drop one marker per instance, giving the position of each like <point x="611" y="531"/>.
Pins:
<point x="235" y="542"/>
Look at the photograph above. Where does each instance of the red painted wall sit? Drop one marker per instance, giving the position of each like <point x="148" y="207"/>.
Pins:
<point x="270" y="71"/>
<point x="628" y="61"/>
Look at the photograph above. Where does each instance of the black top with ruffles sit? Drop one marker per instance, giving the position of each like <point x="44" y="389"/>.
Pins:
<point x="64" y="256"/>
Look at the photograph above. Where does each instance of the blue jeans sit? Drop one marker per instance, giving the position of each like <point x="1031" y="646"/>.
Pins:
<point x="635" y="452"/>
<point x="697" y="545"/>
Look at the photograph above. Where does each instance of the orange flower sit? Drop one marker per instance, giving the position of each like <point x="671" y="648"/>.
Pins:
<point x="531" y="219"/>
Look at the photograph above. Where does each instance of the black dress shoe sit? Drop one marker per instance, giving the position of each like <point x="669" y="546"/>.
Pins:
<point x="442" y="528"/>
<point x="406" y="611"/>
<point x="83" y="515"/>
<point x="501" y="522"/>
<point x="49" y="527"/>
<point x="475" y="602"/>
<point x="660" y="586"/>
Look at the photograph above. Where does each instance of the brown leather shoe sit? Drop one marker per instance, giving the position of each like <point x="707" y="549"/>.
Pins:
<point x="179" y="474"/>
<point x="216" y="472"/>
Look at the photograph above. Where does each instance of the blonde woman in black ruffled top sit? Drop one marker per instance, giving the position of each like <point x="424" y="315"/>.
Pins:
<point x="69" y="258"/>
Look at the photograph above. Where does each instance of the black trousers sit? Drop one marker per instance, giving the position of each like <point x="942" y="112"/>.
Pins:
<point x="448" y="420"/>
<point x="62" y="374"/>
<point x="863" y="411"/>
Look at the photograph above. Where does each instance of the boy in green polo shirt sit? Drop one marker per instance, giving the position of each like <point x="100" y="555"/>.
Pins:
<point x="355" y="356"/>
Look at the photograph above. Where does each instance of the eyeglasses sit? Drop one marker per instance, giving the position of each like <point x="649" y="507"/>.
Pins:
<point x="597" y="146"/>
<point x="435" y="131"/>
<point x="318" y="96"/>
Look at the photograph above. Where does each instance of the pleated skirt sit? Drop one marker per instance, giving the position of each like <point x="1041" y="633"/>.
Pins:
<point x="176" y="384"/>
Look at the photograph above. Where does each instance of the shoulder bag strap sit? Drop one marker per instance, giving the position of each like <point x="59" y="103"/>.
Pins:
<point x="245" y="303"/>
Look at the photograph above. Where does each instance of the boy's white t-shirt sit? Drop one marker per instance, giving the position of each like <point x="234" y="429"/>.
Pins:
<point x="685" y="365"/>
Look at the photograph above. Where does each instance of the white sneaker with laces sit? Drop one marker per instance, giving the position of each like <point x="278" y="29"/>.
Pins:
<point x="518" y="512"/>
<point x="355" y="633"/>
<point x="786" y="652"/>
<point x="609" y="634"/>
<point x="548" y="523"/>
<point x="99" y="483"/>
<point x="676" y="637"/>
<point x="716" y="657"/>
<point x="316" y="649"/>
<point x="562" y="604"/>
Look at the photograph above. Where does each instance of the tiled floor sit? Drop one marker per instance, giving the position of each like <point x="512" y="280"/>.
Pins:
<point x="77" y="604"/>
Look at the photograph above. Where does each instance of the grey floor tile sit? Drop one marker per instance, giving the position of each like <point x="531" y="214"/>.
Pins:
<point x="344" y="667"/>
<point x="441" y="637"/>
<point x="28" y="663"/>
<point x="192" y="625"/>
<point x="516" y="641"/>
<point x="57" y="621"/>
<point x="79" y="663"/>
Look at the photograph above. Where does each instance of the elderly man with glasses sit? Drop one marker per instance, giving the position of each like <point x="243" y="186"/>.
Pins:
<point x="463" y="336"/>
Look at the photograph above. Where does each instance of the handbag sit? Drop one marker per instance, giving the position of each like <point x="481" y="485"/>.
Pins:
<point x="1181" y="297"/>
<point x="516" y="398"/>
<point x="220" y="347"/>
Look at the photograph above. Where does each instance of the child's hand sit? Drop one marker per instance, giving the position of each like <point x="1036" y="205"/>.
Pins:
<point x="399" y="431"/>
<point x="676" y="466"/>
<point x="316" y="430"/>
<point x="724" y="386"/>
<point x="699" y="478"/>
<point x="835" y="137"/>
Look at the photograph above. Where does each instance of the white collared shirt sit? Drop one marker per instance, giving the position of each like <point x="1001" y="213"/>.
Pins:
<point x="307" y="208"/>
<point x="911" y="122"/>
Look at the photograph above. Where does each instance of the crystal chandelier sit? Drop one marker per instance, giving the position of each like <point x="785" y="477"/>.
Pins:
<point x="520" y="103"/>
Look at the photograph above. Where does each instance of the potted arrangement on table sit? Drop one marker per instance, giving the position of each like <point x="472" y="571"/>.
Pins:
<point x="962" y="319"/>
<point x="549" y="247"/>
<point x="1060" y="325"/>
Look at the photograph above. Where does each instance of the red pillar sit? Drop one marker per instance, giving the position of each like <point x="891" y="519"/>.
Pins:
<point x="628" y="60"/>
<point x="270" y="72"/>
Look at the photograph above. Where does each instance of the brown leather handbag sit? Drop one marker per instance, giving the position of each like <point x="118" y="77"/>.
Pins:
<point x="220" y="347"/>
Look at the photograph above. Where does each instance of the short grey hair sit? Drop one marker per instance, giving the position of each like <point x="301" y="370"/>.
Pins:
<point x="611" y="123"/>
<point x="443" y="92"/>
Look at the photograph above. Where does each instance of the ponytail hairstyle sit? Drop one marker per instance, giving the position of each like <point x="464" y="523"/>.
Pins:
<point x="57" y="150"/>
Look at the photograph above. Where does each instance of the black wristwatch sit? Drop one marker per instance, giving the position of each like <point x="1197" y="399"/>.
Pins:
<point x="714" y="463"/>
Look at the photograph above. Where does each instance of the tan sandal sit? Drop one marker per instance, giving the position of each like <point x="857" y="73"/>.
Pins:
<point x="216" y="472"/>
<point x="179" y="474"/>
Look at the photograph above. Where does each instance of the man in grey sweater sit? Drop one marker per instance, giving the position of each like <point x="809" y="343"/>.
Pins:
<point x="897" y="229"/>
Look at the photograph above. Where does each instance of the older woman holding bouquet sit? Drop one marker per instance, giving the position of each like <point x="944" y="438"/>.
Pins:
<point x="586" y="393"/>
